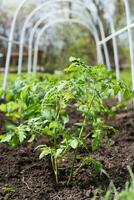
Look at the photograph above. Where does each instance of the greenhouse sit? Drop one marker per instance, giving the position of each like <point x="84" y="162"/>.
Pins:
<point x="66" y="100"/>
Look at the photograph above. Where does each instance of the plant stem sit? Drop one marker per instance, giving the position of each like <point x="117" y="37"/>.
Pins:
<point x="56" y="171"/>
<point x="55" y="168"/>
<point x="76" y="150"/>
<point x="75" y="154"/>
<point x="54" y="160"/>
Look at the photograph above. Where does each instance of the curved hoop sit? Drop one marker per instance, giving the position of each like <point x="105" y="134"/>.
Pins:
<point x="10" y="43"/>
<point x="34" y="30"/>
<point x="43" y="30"/>
<point x="27" y="21"/>
<point x="28" y="18"/>
<point x="36" y="26"/>
<point x="33" y="13"/>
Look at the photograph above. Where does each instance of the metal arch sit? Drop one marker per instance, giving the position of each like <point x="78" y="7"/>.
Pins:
<point x="117" y="33"/>
<point x="113" y="37"/>
<point x="115" y="50"/>
<point x="10" y="43"/>
<point x="128" y="17"/>
<point x="12" y="31"/>
<point x="7" y="40"/>
<point x="102" y="32"/>
<point x="33" y="32"/>
<point x="28" y="19"/>
<point x="32" y="14"/>
<point x="116" y="57"/>
<point x="127" y="28"/>
<point x="43" y="30"/>
<point x="105" y="44"/>
<point x="99" y="53"/>
<point x="11" y="38"/>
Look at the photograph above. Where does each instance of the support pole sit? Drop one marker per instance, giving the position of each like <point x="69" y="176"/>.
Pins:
<point x="116" y="57"/>
<point x="128" y="17"/>
<point x="10" y="44"/>
<point x="104" y="45"/>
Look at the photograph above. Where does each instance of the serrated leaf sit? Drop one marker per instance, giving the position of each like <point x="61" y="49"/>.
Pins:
<point x="12" y="106"/>
<point x="73" y="143"/>
<point x="22" y="136"/>
<point x="1" y="92"/>
<point x="58" y="152"/>
<point x="3" y="107"/>
<point x="45" y="152"/>
<point x="7" y="138"/>
<point x="32" y="138"/>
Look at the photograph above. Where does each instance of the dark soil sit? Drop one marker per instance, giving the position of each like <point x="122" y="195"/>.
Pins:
<point x="31" y="179"/>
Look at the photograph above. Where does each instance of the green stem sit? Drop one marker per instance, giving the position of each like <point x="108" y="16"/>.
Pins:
<point x="54" y="160"/>
<point x="56" y="171"/>
<point x="75" y="154"/>
<point x="76" y="150"/>
<point x="72" y="167"/>
<point x="55" y="168"/>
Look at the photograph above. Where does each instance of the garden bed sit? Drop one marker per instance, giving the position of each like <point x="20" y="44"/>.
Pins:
<point x="23" y="176"/>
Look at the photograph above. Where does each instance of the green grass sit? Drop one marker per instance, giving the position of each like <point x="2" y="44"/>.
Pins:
<point x="126" y="76"/>
<point x="126" y="194"/>
<point x="11" y="78"/>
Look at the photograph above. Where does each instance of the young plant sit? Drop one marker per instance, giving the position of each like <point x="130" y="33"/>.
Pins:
<point x="43" y="108"/>
<point x="23" y="107"/>
<point x="89" y="87"/>
<point x="53" y="110"/>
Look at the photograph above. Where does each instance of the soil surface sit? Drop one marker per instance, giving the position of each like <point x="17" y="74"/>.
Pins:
<point x="24" y="177"/>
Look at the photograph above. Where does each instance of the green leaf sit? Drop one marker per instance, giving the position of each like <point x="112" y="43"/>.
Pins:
<point x="8" y="189"/>
<point x="65" y="119"/>
<point x="45" y="152"/>
<point x="48" y="113"/>
<point x="47" y="131"/>
<point x="54" y="125"/>
<point x="12" y="106"/>
<point x="1" y="92"/>
<point x="3" y="107"/>
<point x="73" y="143"/>
<point x="6" y="138"/>
<point x="32" y="138"/>
<point x="22" y="136"/>
<point x="96" y="165"/>
<point x="61" y="85"/>
<point x="59" y="152"/>
<point x="21" y="132"/>
<point x="8" y="96"/>
<point x="96" y="141"/>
